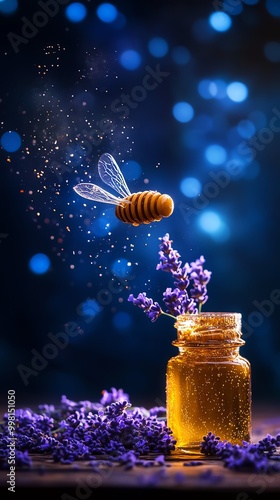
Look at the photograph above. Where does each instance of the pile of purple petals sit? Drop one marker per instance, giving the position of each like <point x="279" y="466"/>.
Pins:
<point x="190" y="285"/>
<point x="111" y="429"/>
<point x="113" y="432"/>
<point x="260" y="457"/>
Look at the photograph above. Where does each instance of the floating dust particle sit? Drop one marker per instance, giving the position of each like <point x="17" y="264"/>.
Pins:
<point x="56" y="146"/>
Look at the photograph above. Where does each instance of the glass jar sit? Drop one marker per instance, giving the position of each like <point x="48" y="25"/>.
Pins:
<point x="208" y="384"/>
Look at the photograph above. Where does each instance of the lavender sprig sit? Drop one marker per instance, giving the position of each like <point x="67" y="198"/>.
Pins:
<point x="151" y="309"/>
<point x="249" y="457"/>
<point x="177" y="300"/>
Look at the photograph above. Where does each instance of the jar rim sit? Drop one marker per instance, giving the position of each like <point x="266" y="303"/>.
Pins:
<point x="204" y="316"/>
<point x="208" y="326"/>
<point x="215" y="313"/>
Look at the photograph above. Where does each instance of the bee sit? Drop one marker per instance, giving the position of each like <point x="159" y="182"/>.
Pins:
<point x="132" y="208"/>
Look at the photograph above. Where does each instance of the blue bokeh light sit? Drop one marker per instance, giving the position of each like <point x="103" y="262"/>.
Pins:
<point x="273" y="7"/>
<point x="213" y="89"/>
<point x="183" y="112"/>
<point x="89" y="308"/>
<point x="131" y="170"/>
<point x="158" y="47"/>
<point x="215" y="154"/>
<point x="8" y="6"/>
<point x="181" y="55"/>
<point x="220" y="21"/>
<point x="205" y="89"/>
<point x="121" y="268"/>
<point x="130" y="59"/>
<point x="237" y="91"/>
<point x="190" y="187"/>
<point x="11" y="141"/>
<point x="220" y="89"/>
<point x="76" y="12"/>
<point x="211" y="223"/>
<point x="210" y="89"/>
<point x="246" y="128"/>
<point x="122" y="321"/>
<point x="107" y="12"/>
<point x="39" y="263"/>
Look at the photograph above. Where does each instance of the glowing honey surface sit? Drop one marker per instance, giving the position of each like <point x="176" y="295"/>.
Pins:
<point x="208" y="385"/>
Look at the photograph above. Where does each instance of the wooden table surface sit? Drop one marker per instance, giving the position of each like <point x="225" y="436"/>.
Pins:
<point x="78" y="481"/>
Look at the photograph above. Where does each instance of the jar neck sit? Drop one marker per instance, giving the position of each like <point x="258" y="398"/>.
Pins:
<point x="220" y="353"/>
<point x="213" y="330"/>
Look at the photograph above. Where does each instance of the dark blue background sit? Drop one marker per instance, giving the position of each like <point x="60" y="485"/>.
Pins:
<point x="245" y="263"/>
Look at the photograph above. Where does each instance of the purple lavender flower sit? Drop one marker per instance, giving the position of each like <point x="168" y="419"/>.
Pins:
<point x="167" y="256"/>
<point x="113" y="396"/>
<point x="200" y="278"/>
<point x="177" y="300"/>
<point x="249" y="457"/>
<point x="269" y="444"/>
<point x="182" y="276"/>
<point x="210" y="444"/>
<point x="158" y="411"/>
<point x="151" y="309"/>
<point x="116" y="409"/>
<point x="169" y="262"/>
<point x="23" y="459"/>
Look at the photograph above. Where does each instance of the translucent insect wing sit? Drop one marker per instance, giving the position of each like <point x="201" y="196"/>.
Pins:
<point x="111" y="174"/>
<point x="96" y="193"/>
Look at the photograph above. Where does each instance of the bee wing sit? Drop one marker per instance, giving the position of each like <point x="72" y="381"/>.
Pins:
<point x="96" y="193"/>
<point x="111" y="174"/>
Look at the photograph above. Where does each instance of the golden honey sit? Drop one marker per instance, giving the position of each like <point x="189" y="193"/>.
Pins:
<point x="208" y="384"/>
